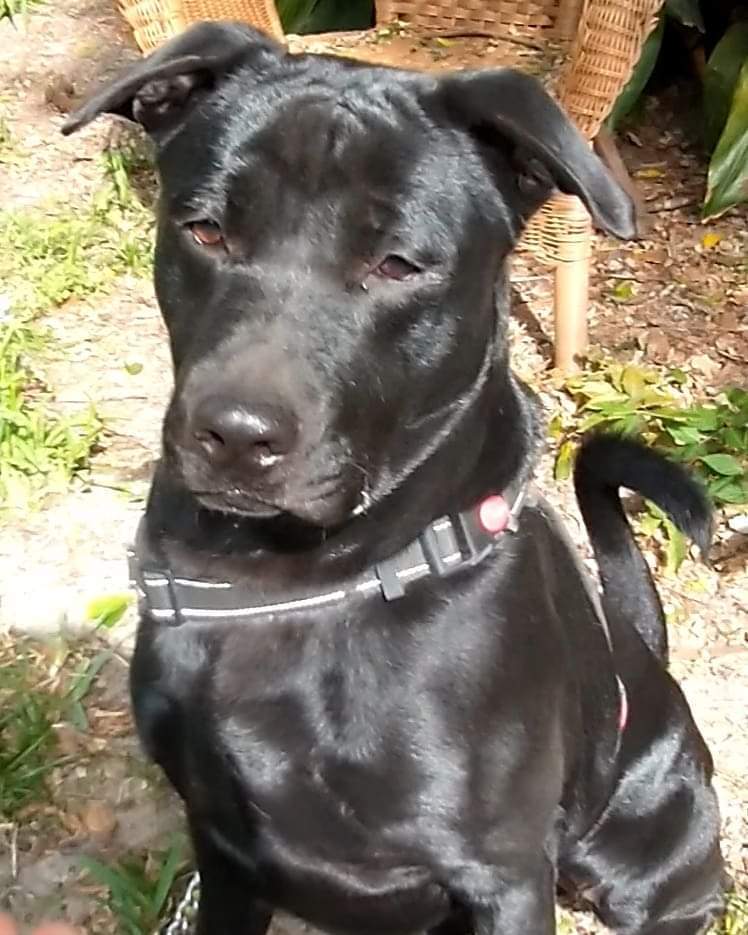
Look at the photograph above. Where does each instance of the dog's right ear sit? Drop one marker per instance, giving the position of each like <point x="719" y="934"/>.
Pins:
<point x="159" y="91"/>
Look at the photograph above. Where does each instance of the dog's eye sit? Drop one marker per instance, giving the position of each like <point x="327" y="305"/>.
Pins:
<point x="395" y="267"/>
<point x="206" y="233"/>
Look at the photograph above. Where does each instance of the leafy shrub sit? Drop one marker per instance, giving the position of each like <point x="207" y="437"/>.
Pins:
<point x="710" y="438"/>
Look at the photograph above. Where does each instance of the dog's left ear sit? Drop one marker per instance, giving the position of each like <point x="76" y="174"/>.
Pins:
<point x="547" y="148"/>
<point x="159" y="91"/>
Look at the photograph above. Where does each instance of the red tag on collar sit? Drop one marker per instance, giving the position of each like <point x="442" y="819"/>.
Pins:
<point x="493" y="514"/>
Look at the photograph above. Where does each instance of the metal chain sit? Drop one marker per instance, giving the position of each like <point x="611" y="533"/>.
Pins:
<point x="183" y="920"/>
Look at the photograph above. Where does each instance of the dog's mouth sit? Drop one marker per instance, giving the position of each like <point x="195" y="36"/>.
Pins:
<point x="234" y="500"/>
<point x="326" y="505"/>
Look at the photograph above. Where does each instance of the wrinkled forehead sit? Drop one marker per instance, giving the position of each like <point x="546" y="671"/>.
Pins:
<point x="364" y="149"/>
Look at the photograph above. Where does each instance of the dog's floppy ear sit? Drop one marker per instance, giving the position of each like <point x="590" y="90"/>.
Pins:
<point x="159" y="91"/>
<point x="546" y="144"/>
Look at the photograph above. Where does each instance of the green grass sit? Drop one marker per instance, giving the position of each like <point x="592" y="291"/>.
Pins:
<point x="37" y="690"/>
<point x="131" y="173"/>
<point x="710" y="437"/>
<point x="6" y="139"/>
<point x="735" y="921"/>
<point x="58" y="255"/>
<point x="39" y="450"/>
<point x="27" y="743"/>
<point x="138" y="887"/>
<point x="12" y="9"/>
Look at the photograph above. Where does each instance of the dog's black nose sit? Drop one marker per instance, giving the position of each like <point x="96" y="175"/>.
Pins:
<point x="253" y="436"/>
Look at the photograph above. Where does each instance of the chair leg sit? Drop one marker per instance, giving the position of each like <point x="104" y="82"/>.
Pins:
<point x="570" y="311"/>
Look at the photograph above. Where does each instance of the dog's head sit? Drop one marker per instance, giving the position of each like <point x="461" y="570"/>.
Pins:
<point x="330" y="244"/>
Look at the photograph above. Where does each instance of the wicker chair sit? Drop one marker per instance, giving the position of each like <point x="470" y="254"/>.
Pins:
<point x="603" y="40"/>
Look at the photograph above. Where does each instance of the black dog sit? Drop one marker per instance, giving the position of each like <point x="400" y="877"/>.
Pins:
<point x="368" y="659"/>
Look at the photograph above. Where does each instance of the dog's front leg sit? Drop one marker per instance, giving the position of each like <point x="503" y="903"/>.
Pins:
<point x="521" y="902"/>
<point x="227" y="903"/>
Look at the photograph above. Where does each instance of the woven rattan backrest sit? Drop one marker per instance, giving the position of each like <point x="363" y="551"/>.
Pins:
<point x="485" y="16"/>
<point x="155" y="21"/>
<point x="608" y="36"/>
<point x="606" y="47"/>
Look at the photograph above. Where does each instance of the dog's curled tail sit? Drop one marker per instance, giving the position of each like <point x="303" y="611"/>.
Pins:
<point x="604" y="464"/>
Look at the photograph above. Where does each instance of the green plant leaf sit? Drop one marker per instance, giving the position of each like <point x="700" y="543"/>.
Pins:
<point x="690" y="452"/>
<point x="649" y="523"/>
<point x="737" y="397"/>
<point x="723" y="464"/>
<point x="307" y="16"/>
<point x="720" y="79"/>
<point x="166" y="877"/>
<point x="652" y="399"/>
<point x="678" y="376"/>
<point x="118" y="880"/>
<point x="687" y="12"/>
<point x="614" y="403"/>
<point x="564" y="461"/>
<point x="736" y="439"/>
<point x="633" y="381"/>
<point x="676" y="548"/>
<point x="640" y="76"/>
<point x="556" y="426"/>
<point x="631" y="425"/>
<point x="684" y="434"/>
<point x="590" y="421"/>
<point x="623" y="291"/>
<point x="108" y="610"/>
<point x="589" y="387"/>
<point x="730" y="490"/>
<point x="670" y="414"/>
<point x="727" y="182"/>
<point x="703" y="418"/>
<point x="85" y="679"/>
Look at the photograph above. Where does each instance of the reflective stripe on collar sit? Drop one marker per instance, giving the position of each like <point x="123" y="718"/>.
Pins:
<point x="445" y="546"/>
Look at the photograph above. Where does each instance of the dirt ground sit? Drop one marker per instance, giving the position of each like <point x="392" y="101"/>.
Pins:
<point x="688" y="305"/>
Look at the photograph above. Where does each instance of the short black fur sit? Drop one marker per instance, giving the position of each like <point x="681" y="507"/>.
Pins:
<point x="330" y="266"/>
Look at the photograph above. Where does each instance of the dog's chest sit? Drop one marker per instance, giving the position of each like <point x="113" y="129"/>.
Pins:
<point x="326" y="740"/>
<point x="333" y="793"/>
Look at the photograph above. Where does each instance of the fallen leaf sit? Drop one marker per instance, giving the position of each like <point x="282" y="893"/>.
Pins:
<point x="60" y="93"/>
<point x="565" y="461"/>
<point x="656" y="345"/>
<point x="623" y="291"/>
<point x="99" y="820"/>
<point x="655" y="255"/>
<point x="728" y="321"/>
<point x="650" y="172"/>
<point x="729" y="346"/>
<point x="70" y="821"/>
<point x="704" y="364"/>
<point x="633" y="381"/>
<point x="69" y="741"/>
<point x="739" y="523"/>
<point x="710" y="240"/>
<point x="724" y="464"/>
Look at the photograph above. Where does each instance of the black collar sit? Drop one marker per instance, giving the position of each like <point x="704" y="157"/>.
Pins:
<point x="447" y="545"/>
